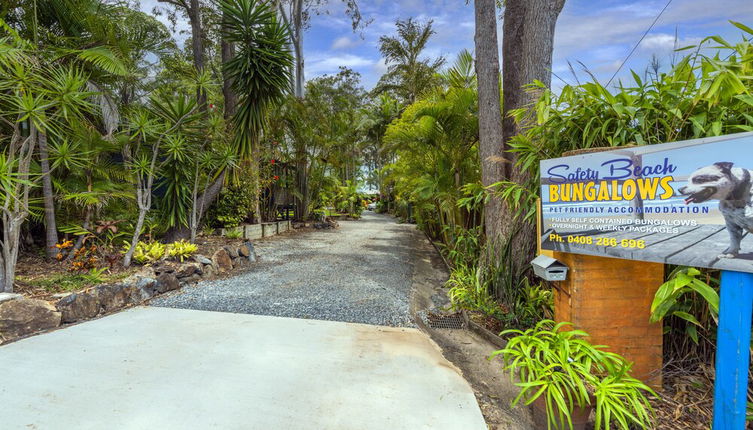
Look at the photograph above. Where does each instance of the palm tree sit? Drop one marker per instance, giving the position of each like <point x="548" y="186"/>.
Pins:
<point x="408" y="75"/>
<point x="260" y="72"/>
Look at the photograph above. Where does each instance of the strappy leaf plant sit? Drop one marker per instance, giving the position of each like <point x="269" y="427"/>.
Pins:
<point x="563" y="368"/>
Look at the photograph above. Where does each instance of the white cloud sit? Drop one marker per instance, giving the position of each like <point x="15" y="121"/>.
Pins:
<point x="380" y="67"/>
<point x="344" y="42"/>
<point x="322" y="63"/>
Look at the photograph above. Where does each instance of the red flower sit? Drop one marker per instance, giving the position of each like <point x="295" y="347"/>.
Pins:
<point x="276" y="177"/>
<point x="272" y="161"/>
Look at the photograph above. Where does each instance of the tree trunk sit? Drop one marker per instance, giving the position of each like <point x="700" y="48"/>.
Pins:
<point x="528" y="40"/>
<point x="227" y="52"/>
<point x="493" y="166"/>
<point x="298" y="46"/>
<point x="197" y="47"/>
<point x="51" y="231"/>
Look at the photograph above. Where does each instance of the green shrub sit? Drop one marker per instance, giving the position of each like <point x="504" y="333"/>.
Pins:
<point x="569" y="372"/>
<point x="234" y="205"/>
<point x="182" y="249"/>
<point x="469" y="292"/>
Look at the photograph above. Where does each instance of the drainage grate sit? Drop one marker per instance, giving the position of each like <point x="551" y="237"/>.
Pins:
<point x="451" y="321"/>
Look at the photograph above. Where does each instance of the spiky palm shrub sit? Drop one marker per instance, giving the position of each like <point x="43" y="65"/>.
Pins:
<point x="260" y="72"/>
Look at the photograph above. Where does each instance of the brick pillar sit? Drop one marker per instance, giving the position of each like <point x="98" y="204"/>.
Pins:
<point x="611" y="299"/>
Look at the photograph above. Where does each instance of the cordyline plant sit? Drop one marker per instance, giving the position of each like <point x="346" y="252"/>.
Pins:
<point x="141" y="150"/>
<point x="36" y="101"/>
<point x="568" y="372"/>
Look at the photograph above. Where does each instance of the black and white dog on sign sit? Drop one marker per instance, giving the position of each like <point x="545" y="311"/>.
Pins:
<point x="732" y="187"/>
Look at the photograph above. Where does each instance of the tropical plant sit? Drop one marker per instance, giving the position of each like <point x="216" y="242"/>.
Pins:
<point x="560" y="366"/>
<point x="141" y="148"/>
<point x="468" y="291"/>
<point x="181" y="249"/>
<point x="408" y="75"/>
<point x="35" y="101"/>
<point x="234" y="234"/>
<point x="236" y="201"/>
<point x="260" y="73"/>
<point x="146" y="252"/>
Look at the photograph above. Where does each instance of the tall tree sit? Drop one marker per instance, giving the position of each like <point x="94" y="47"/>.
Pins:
<point x="491" y="152"/>
<point x="192" y="9"/>
<point x="527" y="46"/>
<point x="296" y="14"/>
<point x="408" y="75"/>
<point x="260" y="72"/>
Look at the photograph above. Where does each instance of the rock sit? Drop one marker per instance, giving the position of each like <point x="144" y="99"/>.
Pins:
<point x="209" y="271"/>
<point x="163" y="269"/>
<point x="243" y="251"/>
<point x="192" y="279"/>
<point x="111" y="296"/>
<point x="4" y="297"/>
<point x="240" y="261"/>
<point x="249" y="251"/>
<point x="22" y="316"/>
<point x="167" y="282"/>
<point x="222" y="260"/>
<point x="201" y="259"/>
<point x="189" y="269"/>
<point x="77" y="306"/>
<point x="143" y="289"/>
<point x="231" y="251"/>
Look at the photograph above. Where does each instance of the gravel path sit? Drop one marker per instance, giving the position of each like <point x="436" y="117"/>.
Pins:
<point x="360" y="272"/>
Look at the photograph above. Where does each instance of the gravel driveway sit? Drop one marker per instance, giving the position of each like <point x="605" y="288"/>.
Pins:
<point x="360" y="272"/>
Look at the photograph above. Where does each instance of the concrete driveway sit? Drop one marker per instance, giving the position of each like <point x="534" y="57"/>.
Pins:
<point x="160" y="368"/>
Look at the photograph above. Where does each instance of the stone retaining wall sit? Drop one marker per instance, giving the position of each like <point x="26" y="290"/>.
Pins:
<point x="20" y="316"/>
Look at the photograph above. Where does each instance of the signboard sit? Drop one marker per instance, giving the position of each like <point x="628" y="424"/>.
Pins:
<point x="686" y="203"/>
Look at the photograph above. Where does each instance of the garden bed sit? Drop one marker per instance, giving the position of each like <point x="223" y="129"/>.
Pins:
<point x="49" y="294"/>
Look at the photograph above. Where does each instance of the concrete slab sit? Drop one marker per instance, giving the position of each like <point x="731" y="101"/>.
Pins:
<point x="183" y="369"/>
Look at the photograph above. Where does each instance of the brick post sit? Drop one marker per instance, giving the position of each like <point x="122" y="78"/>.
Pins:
<point x="611" y="300"/>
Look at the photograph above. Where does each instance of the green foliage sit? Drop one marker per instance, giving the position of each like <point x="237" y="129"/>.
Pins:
<point x="408" y="75"/>
<point x="684" y="281"/>
<point x="182" y="249"/>
<point x="66" y="282"/>
<point x="703" y="95"/>
<point x="234" y="205"/>
<point x="147" y="252"/>
<point x="234" y="234"/>
<point x="260" y="69"/>
<point x="568" y="372"/>
<point x="469" y="292"/>
<point x="435" y="142"/>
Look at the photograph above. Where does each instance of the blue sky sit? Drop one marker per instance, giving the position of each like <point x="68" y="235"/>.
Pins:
<point x="598" y="33"/>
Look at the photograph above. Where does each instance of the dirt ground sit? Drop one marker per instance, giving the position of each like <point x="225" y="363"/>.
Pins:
<point x="464" y="348"/>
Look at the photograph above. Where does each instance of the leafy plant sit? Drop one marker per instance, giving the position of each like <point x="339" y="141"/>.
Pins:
<point x="468" y="291"/>
<point x="234" y="234"/>
<point x="568" y="372"/>
<point x="146" y="252"/>
<point x="670" y="298"/>
<point x="182" y="249"/>
<point x="233" y="207"/>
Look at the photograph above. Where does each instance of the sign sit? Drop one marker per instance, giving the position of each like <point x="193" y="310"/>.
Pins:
<point x="685" y="203"/>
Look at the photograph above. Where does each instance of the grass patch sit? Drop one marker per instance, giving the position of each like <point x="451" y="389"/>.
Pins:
<point x="69" y="282"/>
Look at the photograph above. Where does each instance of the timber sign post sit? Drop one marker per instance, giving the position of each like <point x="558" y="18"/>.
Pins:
<point x="686" y="203"/>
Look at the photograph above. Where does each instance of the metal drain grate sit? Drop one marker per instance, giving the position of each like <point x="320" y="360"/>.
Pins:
<point x="451" y="321"/>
